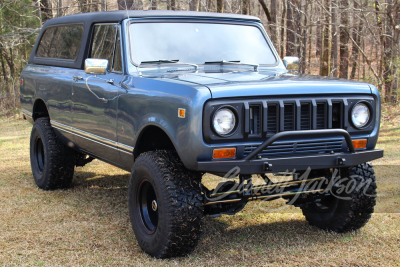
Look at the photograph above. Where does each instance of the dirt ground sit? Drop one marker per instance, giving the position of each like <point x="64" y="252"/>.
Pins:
<point x="88" y="224"/>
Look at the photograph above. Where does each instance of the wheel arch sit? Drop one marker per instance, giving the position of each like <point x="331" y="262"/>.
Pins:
<point x="153" y="137"/>
<point x="39" y="109"/>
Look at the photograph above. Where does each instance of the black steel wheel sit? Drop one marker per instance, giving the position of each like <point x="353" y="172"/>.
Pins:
<point x="39" y="154"/>
<point x="165" y="204"/>
<point x="350" y="206"/>
<point x="52" y="163"/>
<point x="147" y="206"/>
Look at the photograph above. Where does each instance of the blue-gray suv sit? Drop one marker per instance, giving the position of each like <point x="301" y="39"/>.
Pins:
<point x="170" y="96"/>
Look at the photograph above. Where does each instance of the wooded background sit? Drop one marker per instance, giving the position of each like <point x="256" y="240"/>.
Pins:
<point x="338" y="38"/>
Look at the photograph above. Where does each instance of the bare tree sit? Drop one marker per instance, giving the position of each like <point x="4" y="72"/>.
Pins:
<point x="324" y="65"/>
<point x="349" y="39"/>
<point x="59" y="8"/>
<point x="194" y="5"/>
<point x="273" y="21"/>
<point x="220" y="6"/>
<point x="290" y="32"/>
<point x="357" y="40"/>
<point x="335" y="39"/>
<point x="246" y="7"/>
<point x="344" y="39"/>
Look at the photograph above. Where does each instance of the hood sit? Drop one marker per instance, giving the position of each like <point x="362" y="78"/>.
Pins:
<point x="249" y="83"/>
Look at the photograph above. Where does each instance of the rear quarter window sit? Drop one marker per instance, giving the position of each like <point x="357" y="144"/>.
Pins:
<point x="61" y="42"/>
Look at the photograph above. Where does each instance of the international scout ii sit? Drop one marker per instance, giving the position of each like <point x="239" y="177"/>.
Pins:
<point x="170" y="96"/>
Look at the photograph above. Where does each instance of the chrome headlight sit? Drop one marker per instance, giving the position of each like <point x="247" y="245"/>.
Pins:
<point x="224" y="121"/>
<point x="360" y="115"/>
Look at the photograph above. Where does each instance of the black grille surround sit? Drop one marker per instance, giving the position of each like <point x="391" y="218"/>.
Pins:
<point x="259" y="119"/>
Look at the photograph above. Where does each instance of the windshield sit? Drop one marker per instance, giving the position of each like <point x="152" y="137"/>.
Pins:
<point x="198" y="43"/>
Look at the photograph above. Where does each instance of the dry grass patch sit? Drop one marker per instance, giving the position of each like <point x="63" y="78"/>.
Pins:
<point x="89" y="225"/>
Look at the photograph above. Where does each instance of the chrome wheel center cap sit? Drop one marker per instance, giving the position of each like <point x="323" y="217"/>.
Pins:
<point x="154" y="205"/>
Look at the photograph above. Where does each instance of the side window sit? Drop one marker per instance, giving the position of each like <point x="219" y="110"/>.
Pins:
<point x="61" y="42"/>
<point x="103" y="43"/>
<point x="117" y="65"/>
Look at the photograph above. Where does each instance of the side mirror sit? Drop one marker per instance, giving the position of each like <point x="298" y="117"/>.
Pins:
<point x="291" y="64"/>
<point x="96" y="66"/>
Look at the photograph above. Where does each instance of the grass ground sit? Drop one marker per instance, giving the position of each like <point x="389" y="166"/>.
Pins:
<point x="88" y="225"/>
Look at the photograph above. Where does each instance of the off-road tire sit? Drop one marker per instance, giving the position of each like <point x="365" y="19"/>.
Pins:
<point x="52" y="162"/>
<point x="179" y="212"/>
<point x="352" y="214"/>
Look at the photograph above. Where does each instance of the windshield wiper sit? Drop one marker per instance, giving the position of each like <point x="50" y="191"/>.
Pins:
<point x="161" y="61"/>
<point x="232" y="62"/>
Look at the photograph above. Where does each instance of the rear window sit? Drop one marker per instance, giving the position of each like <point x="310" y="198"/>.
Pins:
<point x="61" y="42"/>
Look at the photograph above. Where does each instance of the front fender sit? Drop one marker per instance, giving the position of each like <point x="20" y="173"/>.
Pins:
<point x="151" y="102"/>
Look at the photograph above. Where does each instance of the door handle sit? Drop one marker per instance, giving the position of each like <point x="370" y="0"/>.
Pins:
<point x="76" y="78"/>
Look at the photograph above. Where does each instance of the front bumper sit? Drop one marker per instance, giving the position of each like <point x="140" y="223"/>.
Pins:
<point x="299" y="163"/>
<point x="336" y="160"/>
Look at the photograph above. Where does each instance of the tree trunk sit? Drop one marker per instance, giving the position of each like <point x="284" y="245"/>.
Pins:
<point x="83" y="6"/>
<point x="357" y="39"/>
<point x="209" y="5"/>
<point x="246" y="7"/>
<point x="173" y="4"/>
<point x="283" y="28"/>
<point x="344" y="40"/>
<point x="154" y="5"/>
<point x="388" y="54"/>
<point x="324" y="62"/>
<point x="395" y="19"/>
<point x="9" y="59"/>
<point x="319" y="40"/>
<point x="38" y="10"/>
<point x="310" y="40"/>
<point x="290" y="33"/>
<point x="46" y="10"/>
<point x="220" y="6"/>
<point x="3" y="69"/>
<point x="59" y="8"/>
<point x="94" y="6"/>
<point x="194" y="5"/>
<point x="273" y="23"/>
<point x="266" y="10"/>
<point x="335" y="39"/>
<point x="298" y="29"/>
<point x="304" y="33"/>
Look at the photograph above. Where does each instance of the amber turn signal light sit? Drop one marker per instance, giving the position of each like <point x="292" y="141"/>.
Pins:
<point x="224" y="153"/>
<point x="361" y="143"/>
<point x="181" y="113"/>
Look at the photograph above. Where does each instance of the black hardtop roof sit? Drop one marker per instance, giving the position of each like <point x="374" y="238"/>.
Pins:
<point x="113" y="16"/>
<point x="88" y="19"/>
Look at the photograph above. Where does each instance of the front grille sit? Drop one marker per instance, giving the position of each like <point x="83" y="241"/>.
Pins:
<point x="255" y="120"/>
<point x="305" y="116"/>
<point x="321" y="116"/>
<point x="294" y="147"/>
<point x="269" y="117"/>
<point x="288" y="120"/>
<point x="272" y="119"/>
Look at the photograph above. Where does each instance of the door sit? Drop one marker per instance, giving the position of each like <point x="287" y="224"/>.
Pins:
<point x="95" y="97"/>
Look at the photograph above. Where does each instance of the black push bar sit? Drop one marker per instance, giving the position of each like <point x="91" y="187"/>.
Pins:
<point x="307" y="133"/>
